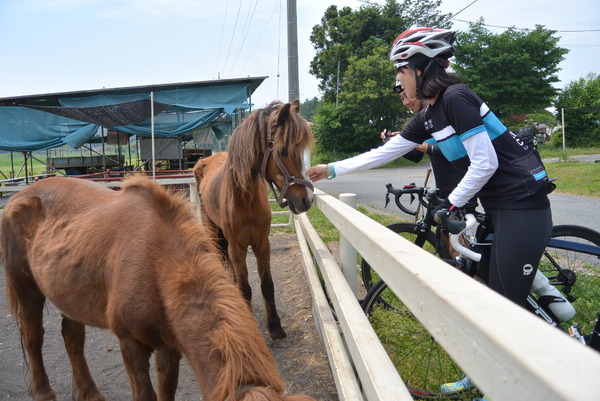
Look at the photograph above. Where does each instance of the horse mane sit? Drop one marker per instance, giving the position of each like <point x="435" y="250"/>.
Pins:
<point x="235" y="339"/>
<point x="248" y="143"/>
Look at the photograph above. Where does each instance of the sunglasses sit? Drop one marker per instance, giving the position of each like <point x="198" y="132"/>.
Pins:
<point x="398" y="88"/>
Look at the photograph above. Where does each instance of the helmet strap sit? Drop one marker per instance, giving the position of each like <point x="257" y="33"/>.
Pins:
<point x="418" y="84"/>
<point x="419" y="80"/>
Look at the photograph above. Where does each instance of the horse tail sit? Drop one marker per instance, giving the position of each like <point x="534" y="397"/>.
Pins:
<point x="20" y="220"/>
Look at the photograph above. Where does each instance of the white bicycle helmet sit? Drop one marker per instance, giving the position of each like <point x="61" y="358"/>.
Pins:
<point x="429" y="42"/>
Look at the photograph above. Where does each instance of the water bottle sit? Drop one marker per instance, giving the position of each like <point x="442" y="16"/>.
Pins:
<point x="552" y="298"/>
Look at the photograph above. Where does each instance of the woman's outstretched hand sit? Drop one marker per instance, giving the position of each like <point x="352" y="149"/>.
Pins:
<point x="317" y="172"/>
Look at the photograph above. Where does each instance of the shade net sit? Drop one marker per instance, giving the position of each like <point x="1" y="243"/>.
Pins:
<point x="178" y="112"/>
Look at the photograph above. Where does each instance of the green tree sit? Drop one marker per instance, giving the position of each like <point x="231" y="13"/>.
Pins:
<point x="344" y="33"/>
<point x="581" y="103"/>
<point x="308" y="108"/>
<point x="366" y="105"/>
<point x="514" y="71"/>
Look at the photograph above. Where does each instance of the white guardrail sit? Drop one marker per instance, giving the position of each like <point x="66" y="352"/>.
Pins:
<point x="511" y="354"/>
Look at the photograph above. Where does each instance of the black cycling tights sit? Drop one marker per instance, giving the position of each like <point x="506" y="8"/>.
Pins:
<point x="520" y="237"/>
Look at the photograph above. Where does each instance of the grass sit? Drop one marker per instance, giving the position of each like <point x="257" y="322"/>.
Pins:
<point x="547" y="151"/>
<point x="576" y="178"/>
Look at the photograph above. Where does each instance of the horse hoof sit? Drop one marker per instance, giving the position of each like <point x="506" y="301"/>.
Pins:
<point x="281" y="344"/>
<point x="47" y="395"/>
<point x="277" y="333"/>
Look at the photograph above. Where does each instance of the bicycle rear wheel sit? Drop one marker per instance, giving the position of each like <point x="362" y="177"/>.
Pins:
<point x="412" y="232"/>
<point x="571" y="247"/>
<point x="421" y="362"/>
<point x="573" y="252"/>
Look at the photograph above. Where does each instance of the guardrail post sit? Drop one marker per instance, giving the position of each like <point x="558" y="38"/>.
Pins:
<point x="348" y="254"/>
<point x="194" y="198"/>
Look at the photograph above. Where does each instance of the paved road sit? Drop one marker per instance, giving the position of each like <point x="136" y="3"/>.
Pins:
<point x="369" y="186"/>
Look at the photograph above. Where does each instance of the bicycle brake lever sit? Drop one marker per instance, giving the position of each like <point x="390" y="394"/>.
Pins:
<point x="387" y="199"/>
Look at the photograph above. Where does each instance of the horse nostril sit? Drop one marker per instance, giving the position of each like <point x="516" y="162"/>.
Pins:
<point x="306" y="202"/>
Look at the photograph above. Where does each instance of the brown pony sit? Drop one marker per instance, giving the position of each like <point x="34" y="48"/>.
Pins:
<point x="137" y="262"/>
<point x="266" y="148"/>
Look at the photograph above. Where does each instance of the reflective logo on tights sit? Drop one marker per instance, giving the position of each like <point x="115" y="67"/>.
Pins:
<point x="527" y="269"/>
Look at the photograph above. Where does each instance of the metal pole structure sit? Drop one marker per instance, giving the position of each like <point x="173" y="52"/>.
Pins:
<point x="292" y="36"/>
<point x="152" y="130"/>
<point x="337" y="85"/>
<point x="563" y="130"/>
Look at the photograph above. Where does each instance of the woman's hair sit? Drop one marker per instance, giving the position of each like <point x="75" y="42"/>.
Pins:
<point x="434" y="78"/>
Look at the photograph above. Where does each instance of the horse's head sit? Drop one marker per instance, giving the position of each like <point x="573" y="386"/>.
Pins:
<point x="268" y="394"/>
<point x="288" y="135"/>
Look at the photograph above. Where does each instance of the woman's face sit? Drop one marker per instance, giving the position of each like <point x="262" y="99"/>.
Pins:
<point x="406" y="78"/>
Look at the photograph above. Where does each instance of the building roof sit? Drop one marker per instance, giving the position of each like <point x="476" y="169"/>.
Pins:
<point x="52" y="99"/>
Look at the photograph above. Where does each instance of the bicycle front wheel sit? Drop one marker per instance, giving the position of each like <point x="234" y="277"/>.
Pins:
<point x="412" y="232"/>
<point x="422" y="363"/>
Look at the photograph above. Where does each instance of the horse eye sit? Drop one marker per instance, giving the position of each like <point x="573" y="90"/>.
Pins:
<point x="283" y="152"/>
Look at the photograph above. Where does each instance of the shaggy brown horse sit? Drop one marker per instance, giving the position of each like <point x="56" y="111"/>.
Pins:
<point x="266" y="148"/>
<point x="137" y="262"/>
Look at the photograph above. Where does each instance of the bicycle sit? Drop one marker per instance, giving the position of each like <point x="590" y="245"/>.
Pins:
<point x="571" y="249"/>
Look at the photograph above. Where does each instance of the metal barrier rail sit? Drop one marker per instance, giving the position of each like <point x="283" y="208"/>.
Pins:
<point x="508" y="352"/>
<point x="187" y="179"/>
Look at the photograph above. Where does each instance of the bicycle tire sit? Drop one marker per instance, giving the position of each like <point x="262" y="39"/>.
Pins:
<point x="409" y="231"/>
<point x="422" y="363"/>
<point x="562" y="263"/>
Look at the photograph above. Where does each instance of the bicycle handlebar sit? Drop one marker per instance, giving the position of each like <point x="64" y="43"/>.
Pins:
<point x="411" y="189"/>
<point x="454" y="227"/>
<point x="470" y="222"/>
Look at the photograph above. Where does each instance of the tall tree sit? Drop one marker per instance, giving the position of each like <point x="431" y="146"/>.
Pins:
<point x="308" y="108"/>
<point x="513" y="71"/>
<point x="343" y="33"/>
<point x="581" y="103"/>
<point x="366" y="105"/>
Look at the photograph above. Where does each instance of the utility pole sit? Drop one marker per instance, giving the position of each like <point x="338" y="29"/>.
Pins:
<point x="292" y="36"/>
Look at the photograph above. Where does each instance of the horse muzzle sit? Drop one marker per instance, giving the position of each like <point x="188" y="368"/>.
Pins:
<point x="300" y="204"/>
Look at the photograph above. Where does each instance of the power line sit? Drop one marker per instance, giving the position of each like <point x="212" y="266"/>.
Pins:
<point x="258" y="40"/>
<point x="464" y="8"/>
<point x="529" y="29"/>
<point x="232" y="35"/>
<point x="247" y="25"/>
<point x="221" y="41"/>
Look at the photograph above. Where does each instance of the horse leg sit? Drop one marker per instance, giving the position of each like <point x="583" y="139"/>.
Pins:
<point x="32" y="330"/>
<point x="237" y="255"/>
<point x="136" y="357"/>
<point x="263" y="260"/>
<point x="167" y="370"/>
<point x="73" y="334"/>
<point x="27" y="303"/>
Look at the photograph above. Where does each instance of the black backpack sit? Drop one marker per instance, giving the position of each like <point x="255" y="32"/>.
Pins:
<point x="528" y="136"/>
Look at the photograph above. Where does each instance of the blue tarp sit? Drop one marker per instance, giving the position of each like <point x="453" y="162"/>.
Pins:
<point x="25" y="129"/>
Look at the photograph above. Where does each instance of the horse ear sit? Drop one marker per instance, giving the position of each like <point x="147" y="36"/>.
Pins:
<point x="284" y="112"/>
<point x="296" y="106"/>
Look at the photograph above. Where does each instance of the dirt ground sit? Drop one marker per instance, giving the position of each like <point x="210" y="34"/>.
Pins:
<point x="301" y="357"/>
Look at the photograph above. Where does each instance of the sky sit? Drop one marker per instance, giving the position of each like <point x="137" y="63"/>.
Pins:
<point x="50" y="46"/>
